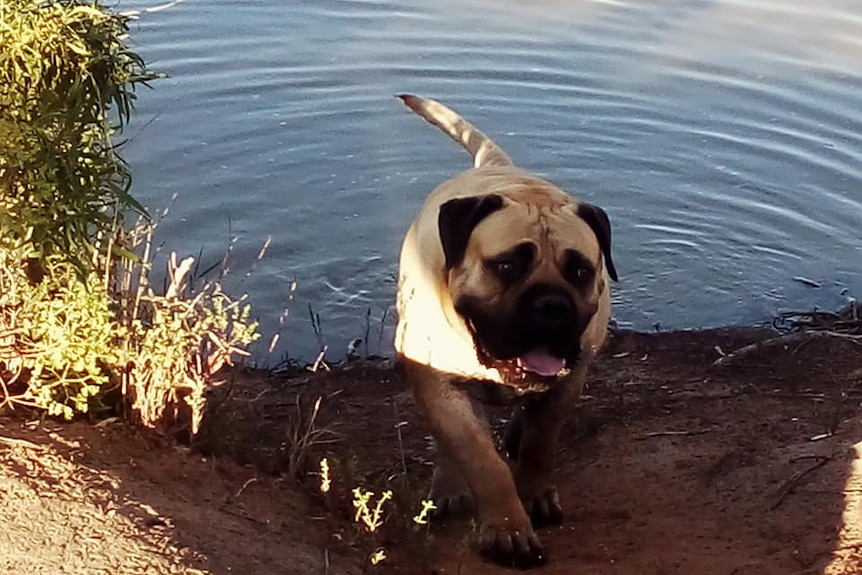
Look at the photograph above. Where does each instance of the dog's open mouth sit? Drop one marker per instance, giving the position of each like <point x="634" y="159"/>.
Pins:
<point x="541" y="363"/>
<point x="535" y="370"/>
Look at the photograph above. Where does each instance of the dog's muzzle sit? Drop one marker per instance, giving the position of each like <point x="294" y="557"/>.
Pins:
<point x="548" y="320"/>
<point x="538" y="344"/>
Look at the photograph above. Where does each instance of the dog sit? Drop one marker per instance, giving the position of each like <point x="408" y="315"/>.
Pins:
<point x="503" y="287"/>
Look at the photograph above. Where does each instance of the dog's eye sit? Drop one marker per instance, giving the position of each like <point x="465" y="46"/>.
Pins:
<point x="506" y="268"/>
<point x="580" y="275"/>
<point x="578" y="270"/>
<point x="512" y="265"/>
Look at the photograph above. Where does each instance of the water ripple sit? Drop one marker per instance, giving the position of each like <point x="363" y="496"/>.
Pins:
<point x="724" y="139"/>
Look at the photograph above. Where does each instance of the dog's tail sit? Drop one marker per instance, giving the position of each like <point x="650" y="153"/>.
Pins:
<point x="484" y="151"/>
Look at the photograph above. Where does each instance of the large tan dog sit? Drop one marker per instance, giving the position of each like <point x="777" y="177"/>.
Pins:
<point x="503" y="285"/>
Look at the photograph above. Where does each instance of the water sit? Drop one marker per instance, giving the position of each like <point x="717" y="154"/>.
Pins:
<point x="723" y="138"/>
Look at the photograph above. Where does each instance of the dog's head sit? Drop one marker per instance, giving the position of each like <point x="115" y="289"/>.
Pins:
<point x="526" y="270"/>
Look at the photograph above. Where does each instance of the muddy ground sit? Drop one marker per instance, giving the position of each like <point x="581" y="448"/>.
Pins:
<point x="670" y="465"/>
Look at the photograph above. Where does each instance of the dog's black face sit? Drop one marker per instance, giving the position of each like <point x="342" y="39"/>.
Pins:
<point x="539" y="338"/>
<point x="526" y="279"/>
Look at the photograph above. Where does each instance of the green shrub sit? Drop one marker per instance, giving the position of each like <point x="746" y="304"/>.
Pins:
<point x="78" y="317"/>
<point x="66" y="76"/>
<point x="58" y="337"/>
<point x="67" y="341"/>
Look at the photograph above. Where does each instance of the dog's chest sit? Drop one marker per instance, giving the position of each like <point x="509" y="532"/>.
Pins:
<point x="494" y="393"/>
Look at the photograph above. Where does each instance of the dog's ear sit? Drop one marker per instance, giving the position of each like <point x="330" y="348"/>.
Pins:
<point x="458" y="218"/>
<point x="598" y="221"/>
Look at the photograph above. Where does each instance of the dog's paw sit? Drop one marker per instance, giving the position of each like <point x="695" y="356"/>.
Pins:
<point x="452" y="505"/>
<point x="449" y="492"/>
<point x="512" y="545"/>
<point x="543" y="507"/>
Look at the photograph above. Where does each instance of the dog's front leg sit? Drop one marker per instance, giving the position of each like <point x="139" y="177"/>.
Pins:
<point x="506" y="535"/>
<point x="534" y="440"/>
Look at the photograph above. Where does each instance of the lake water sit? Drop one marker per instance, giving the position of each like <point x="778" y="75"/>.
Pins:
<point x="724" y="139"/>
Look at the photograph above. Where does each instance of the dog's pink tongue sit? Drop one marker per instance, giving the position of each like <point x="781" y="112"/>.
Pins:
<point x="542" y="362"/>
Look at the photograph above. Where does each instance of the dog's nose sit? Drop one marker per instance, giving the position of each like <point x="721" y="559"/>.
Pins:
<point x="551" y="309"/>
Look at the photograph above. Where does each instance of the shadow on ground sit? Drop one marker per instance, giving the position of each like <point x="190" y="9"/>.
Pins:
<point x="81" y="499"/>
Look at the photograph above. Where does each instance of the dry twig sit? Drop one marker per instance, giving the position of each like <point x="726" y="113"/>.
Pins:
<point x="799" y="339"/>
<point x="796" y="478"/>
<point x="244" y="485"/>
<point x="670" y="433"/>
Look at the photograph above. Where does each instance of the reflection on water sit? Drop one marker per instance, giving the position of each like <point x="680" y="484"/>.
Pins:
<point x="723" y="138"/>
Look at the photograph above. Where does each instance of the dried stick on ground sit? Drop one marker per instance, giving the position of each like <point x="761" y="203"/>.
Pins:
<point x="794" y="339"/>
<point x="672" y="433"/>
<point x="796" y="478"/>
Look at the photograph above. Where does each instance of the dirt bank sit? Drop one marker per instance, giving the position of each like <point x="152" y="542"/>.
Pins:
<point x="671" y="465"/>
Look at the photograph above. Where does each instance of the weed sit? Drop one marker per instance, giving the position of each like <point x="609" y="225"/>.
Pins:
<point x="303" y="434"/>
<point x="370" y="518"/>
<point x="172" y="343"/>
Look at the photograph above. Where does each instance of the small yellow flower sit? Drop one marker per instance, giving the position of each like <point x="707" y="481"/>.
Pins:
<point x="325" y="482"/>
<point x="372" y="519"/>
<point x="378" y="556"/>
<point x="427" y="507"/>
